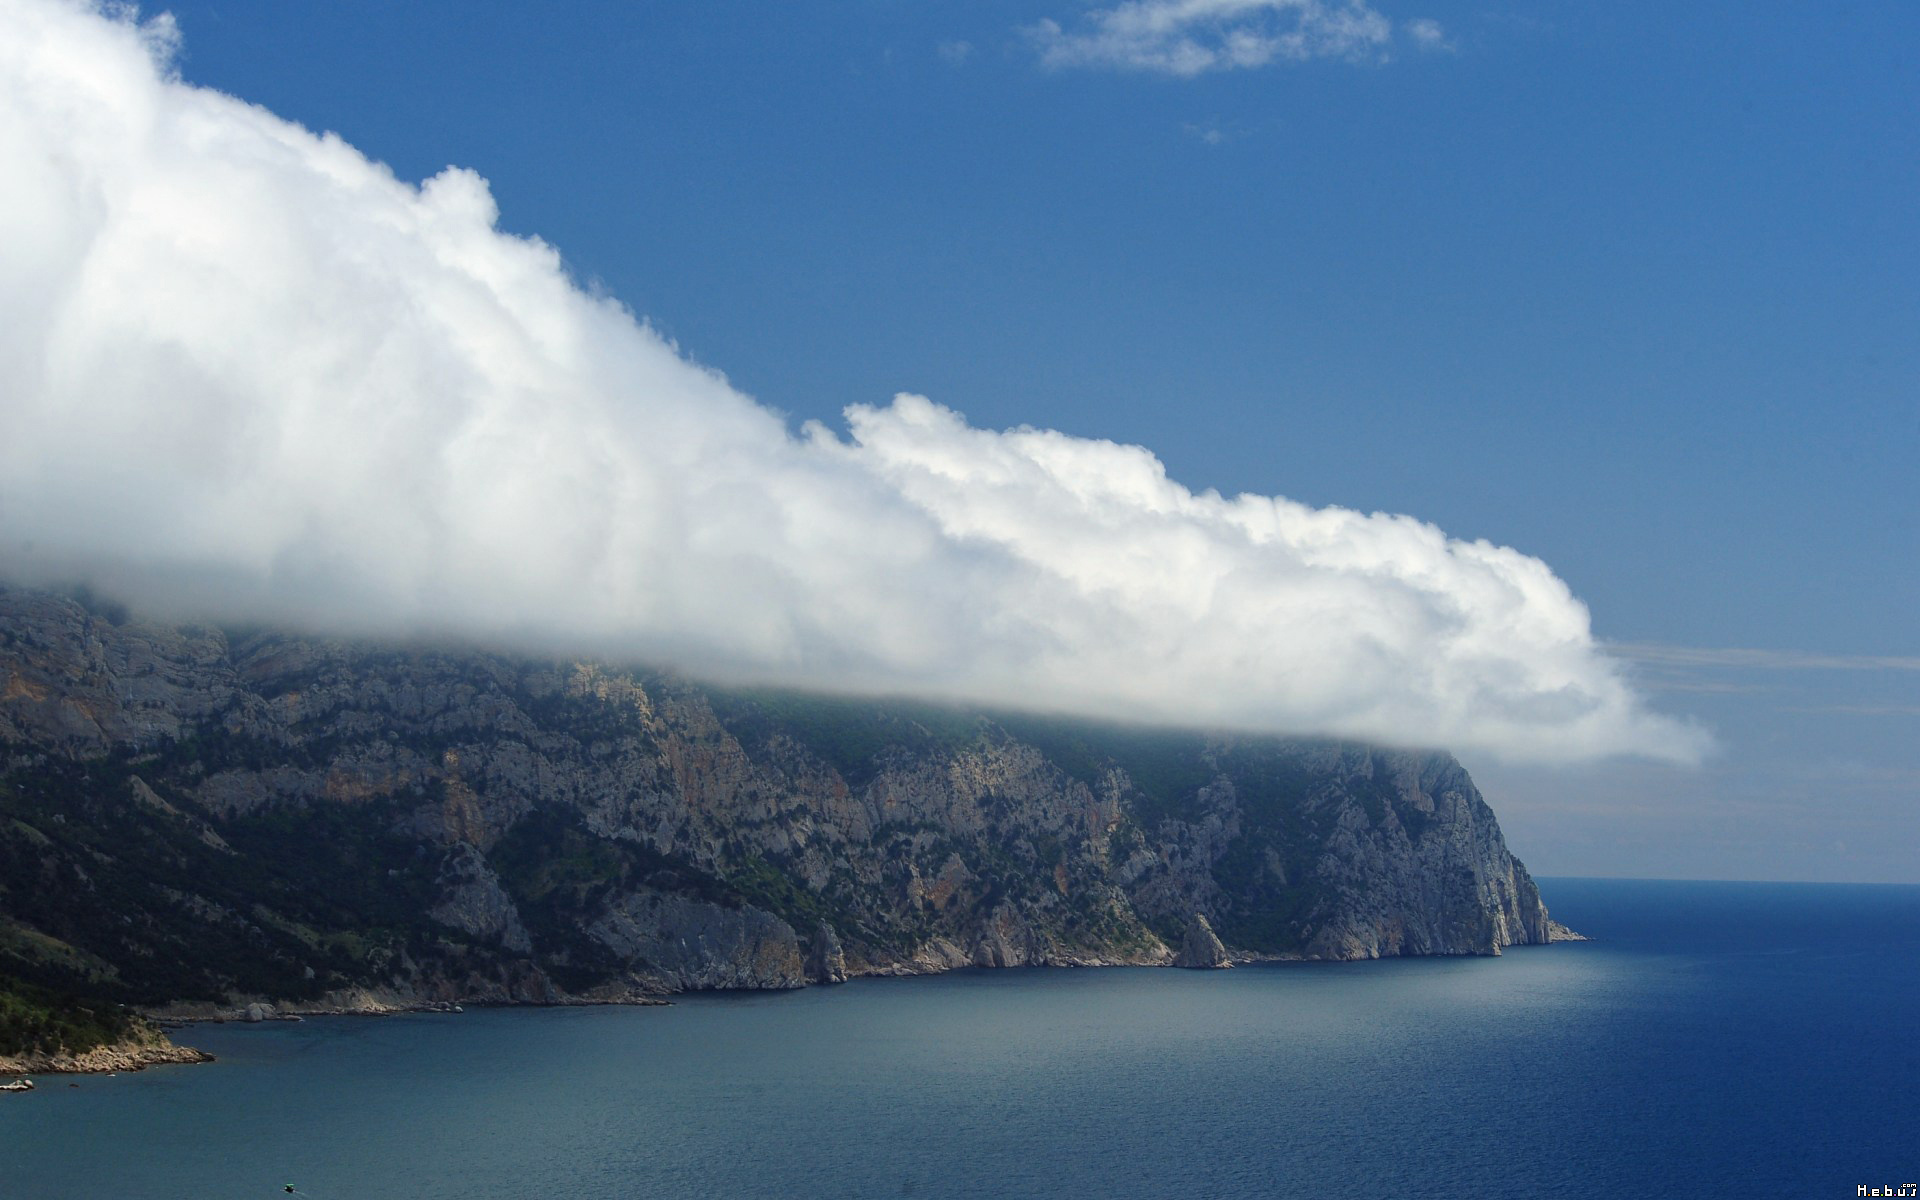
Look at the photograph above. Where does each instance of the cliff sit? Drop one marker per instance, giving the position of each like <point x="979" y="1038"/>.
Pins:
<point x="192" y="814"/>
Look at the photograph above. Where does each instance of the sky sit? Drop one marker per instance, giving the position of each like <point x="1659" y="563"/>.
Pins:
<point x="1632" y="291"/>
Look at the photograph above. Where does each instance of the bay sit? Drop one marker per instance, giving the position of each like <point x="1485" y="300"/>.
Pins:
<point x="1751" y="1039"/>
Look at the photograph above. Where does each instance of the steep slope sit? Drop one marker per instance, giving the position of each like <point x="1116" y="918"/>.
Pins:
<point x="192" y="814"/>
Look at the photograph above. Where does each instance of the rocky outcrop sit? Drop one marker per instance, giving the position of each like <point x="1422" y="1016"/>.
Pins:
<point x="289" y="819"/>
<point x="473" y="901"/>
<point x="677" y="944"/>
<point x="1201" y="948"/>
<point x="826" y="958"/>
<point x="148" y="1049"/>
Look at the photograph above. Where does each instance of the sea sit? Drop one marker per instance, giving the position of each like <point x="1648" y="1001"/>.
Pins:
<point x="1713" y="1039"/>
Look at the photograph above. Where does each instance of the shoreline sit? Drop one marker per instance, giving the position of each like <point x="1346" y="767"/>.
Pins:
<point x="367" y="1004"/>
<point x="159" y="1050"/>
<point x="104" y="1060"/>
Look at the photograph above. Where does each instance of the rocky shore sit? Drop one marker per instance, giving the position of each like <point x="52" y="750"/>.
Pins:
<point x="1201" y="949"/>
<point x="360" y="1002"/>
<point x="149" y="1050"/>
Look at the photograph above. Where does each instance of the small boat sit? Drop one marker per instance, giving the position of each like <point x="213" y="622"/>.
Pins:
<point x="18" y="1085"/>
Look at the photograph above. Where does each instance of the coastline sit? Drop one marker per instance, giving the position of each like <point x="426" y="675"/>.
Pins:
<point x="1259" y="1080"/>
<point x="155" y="1048"/>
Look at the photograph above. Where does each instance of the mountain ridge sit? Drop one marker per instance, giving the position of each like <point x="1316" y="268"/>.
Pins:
<point x="195" y="816"/>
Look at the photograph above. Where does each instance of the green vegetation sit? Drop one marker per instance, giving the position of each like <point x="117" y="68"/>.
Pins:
<point x="766" y="886"/>
<point x="848" y="735"/>
<point x="853" y="736"/>
<point x="37" y="1020"/>
<point x="560" y="875"/>
<point x="1288" y="807"/>
<point x="585" y="718"/>
<point x="304" y="900"/>
<point x="1166" y="766"/>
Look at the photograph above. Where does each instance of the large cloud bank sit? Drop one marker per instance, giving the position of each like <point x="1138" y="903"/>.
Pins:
<point x="247" y="373"/>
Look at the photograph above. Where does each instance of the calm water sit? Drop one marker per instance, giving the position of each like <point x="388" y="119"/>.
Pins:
<point x="1729" y="1039"/>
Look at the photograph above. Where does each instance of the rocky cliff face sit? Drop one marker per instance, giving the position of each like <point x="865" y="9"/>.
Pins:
<point x="195" y="814"/>
<point x="1202" y="949"/>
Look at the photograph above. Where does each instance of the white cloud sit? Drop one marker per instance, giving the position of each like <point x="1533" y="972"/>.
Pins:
<point x="956" y="53"/>
<point x="246" y="373"/>
<point x="1193" y="37"/>
<point x="1427" y="34"/>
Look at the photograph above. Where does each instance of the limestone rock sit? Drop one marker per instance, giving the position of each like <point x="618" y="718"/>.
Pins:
<point x="826" y="959"/>
<point x="475" y="903"/>
<point x="682" y="944"/>
<point x="1007" y="940"/>
<point x="145" y="1047"/>
<point x="1201" y="949"/>
<point x="527" y="831"/>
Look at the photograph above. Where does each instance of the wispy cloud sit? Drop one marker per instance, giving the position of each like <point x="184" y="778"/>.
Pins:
<point x="955" y="53"/>
<point x="248" y="374"/>
<point x="1657" y="654"/>
<point x="1207" y="132"/>
<point x="1426" y="34"/>
<point x="1186" y="38"/>
<point x="1657" y="682"/>
<point x="1781" y="674"/>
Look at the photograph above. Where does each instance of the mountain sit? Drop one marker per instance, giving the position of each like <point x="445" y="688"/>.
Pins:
<point x="195" y="815"/>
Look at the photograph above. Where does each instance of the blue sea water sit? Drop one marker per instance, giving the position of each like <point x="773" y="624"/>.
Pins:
<point x="1719" y="1039"/>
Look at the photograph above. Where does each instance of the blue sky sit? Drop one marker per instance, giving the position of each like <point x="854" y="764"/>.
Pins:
<point x="1634" y="288"/>
<point x="1631" y="287"/>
